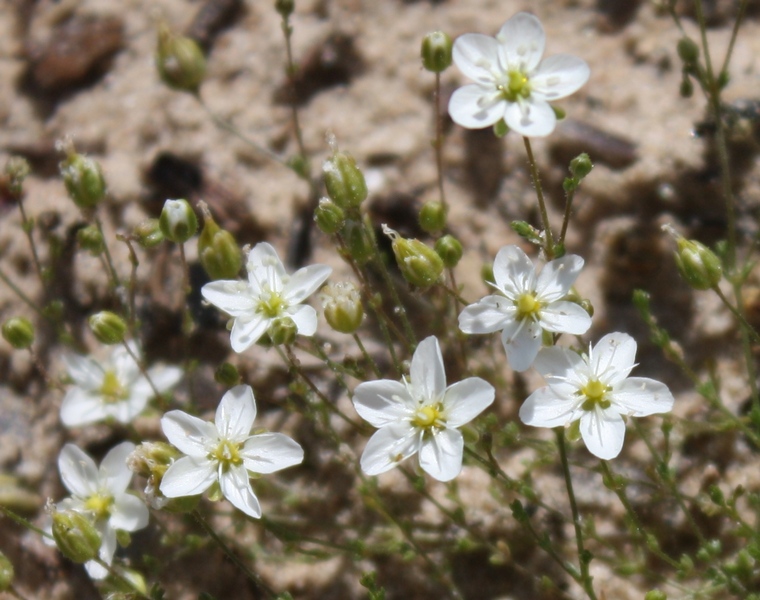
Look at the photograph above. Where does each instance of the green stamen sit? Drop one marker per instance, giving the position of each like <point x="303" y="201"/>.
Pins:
<point x="595" y="392"/>
<point x="227" y="454"/>
<point x="99" y="505"/>
<point x="518" y="86"/>
<point x="527" y="306"/>
<point x="111" y="389"/>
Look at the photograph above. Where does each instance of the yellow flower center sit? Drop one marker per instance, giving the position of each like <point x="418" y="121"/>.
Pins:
<point x="595" y="392"/>
<point x="428" y="416"/>
<point x="111" y="389"/>
<point x="517" y="87"/>
<point x="99" y="505"/>
<point x="271" y="304"/>
<point x="227" y="454"/>
<point x="527" y="306"/>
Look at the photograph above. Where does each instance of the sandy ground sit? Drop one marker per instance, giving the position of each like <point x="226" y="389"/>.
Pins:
<point x="373" y="96"/>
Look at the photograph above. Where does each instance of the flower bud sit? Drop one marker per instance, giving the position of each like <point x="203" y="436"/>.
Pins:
<point x="89" y="238"/>
<point x="698" y="265"/>
<point x="344" y="180"/>
<point x="218" y="251"/>
<point x="359" y="246"/>
<point x="227" y="375"/>
<point x="148" y="233"/>
<point x="420" y="265"/>
<point x="436" y="51"/>
<point x="527" y="231"/>
<point x="19" y="332"/>
<point x="343" y="306"/>
<point x="178" y="221"/>
<point x="180" y="61"/>
<point x="655" y="595"/>
<point x="17" y="169"/>
<point x="83" y="178"/>
<point x="450" y="250"/>
<point x="75" y="535"/>
<point x="109" y="328"/>
<point x="686" y="89"/>
<point x="6" y="573"/>
<point x="432" y="217"/>
<point x="329" y="217"/>
<point x="581" y="166"/>
<point x="282" y="330"/>
<point x="284" y="7"/>
<point x="688" y="51"/>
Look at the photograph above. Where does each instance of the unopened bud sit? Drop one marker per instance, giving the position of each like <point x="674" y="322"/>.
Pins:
<point x="17" y="169"/>
<point x="109" y="328"/>
<point x="148" y="233"/>
<point x="329" y="217"/>
<point x="178" y="221"/>
<point x="419" y="264"/>
<point x="89" y="238"/>
<point x="432" y="217"/>
<point x="282" y="330"/>
<point x="6" y="573"/>
<point x="75" y="535"/>
<point x="359" y="246"/>
<point x="527" y="231"/>
<point x="450" y="250"/>
<point x="436" y="51"/>
<point x="688" y="51"/>
<point x="284" y="7"/>
<point x="686" y="89"/>
<point x="19" y="332"/>
<point x="227" y="375"/>
<point x="180" y="61"/>
<point x="343" y="306"/>
<point x="218" y="251"/>
<point x="698" y="265"/>
<point x="655" y="595"/>
<point x="82" y="177"/>
<point x="581" y="166"/>
<point x="344" y="180"/>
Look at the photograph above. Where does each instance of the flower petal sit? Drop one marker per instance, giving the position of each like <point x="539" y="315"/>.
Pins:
<point x="465" y="400"/>
<point x="236" y="487"/>
<point x="246" y="332"/>
<point x="86" y="373"/>
<point x="522" y="344"/>
<point x="163" y="377"/>
<point x="441" y="454"/>
<point x="474" y="107"/>
<point x="492" y="313"/>
<point x="383" y="402"/>
<point x="305" y="318"/>
<point x="565" y="317"/>
<point x="236" y="413"/>
<point x="233" y="297"/>
<point x="557" y="364"/>
<point x="428" y="377"/>
<point x="304" y="282"/>
<point x="80" y="407"/>
<point x="270" y="452"/>
<point x="559" y="76"/>
<point x="513" y="271"/>
<point x="641" y="397"/>
<point x="612" y="359"/>
<point x="557" y="277"/>
<point x="522" y="41"/>
<point x="78" y="471"/>
<point x="124" y="366"/>
<point x="264" y="255"/>
<point x="188" y="476"/>
<point x="533" y="117"/>
<point x="114" y="475"/>
<point x="389" y="446"/>
<point x="545" y="408"/>
<point x="477" y="56"/>
<point x="189" y="434"/>
<point x="603" y="432"/>
<point x="128" y="513"/>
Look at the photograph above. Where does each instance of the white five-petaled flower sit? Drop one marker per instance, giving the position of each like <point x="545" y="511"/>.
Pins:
<point x="224" y="452"/>
<point x="527" y="304"/>
<point x="270" y="293"/>
<point x="114" y="388"/>
<point x="102" y="494"/>
<point x="420" y="415"/>
<point x="596" y="390"/>
<point x="511" y="80"/>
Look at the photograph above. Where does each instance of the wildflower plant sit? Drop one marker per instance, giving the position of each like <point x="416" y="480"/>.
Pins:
<point x="411" y="431"/>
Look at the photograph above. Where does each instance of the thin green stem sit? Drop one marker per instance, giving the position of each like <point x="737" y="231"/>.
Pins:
<point x="734" y="33"/>
<point x="738" y="314"/>
<point x="22" y="296"/>
<point x="27" y="225"/>
<point x="439" y="139"/>
<point x="113" y="572"/>
<point x="144" y="371"/>
<point x="549" y="238"/>
<point x="367" y="356"/>
<point x="584" y="556"/>
<point x="132" y="292"/>
<point x="253" y="577"/>
<point x="569" y="197"/>
<point x="107" y="252"/>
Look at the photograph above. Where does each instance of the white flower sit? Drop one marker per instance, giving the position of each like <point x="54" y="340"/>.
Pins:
<point x="225" y="451"/>
<point x="420" y="415"/>
<point x="511" y="80"/>
<point x="596" y="390"/>
<point x="102" y="493"/>
<point x="114" y="388"/>
<point x="269" y="293"/>
<point x="527" y="305"/>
